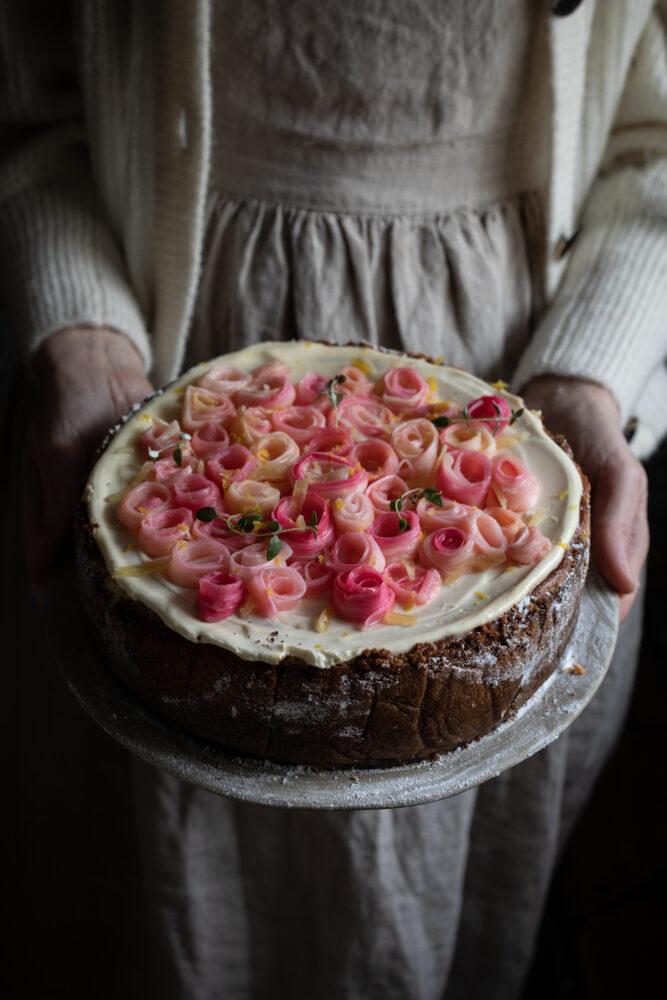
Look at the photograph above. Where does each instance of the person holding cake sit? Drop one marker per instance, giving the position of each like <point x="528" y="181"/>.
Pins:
<point x="480" y="182"/>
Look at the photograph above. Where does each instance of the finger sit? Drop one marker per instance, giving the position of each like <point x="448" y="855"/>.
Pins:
<point x="620" y="527"/>
<point x="626" y="604"/>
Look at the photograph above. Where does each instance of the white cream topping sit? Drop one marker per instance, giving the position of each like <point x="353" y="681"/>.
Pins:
<point x="470" y="601"/>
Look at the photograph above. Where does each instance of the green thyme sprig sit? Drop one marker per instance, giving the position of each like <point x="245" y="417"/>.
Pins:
<point x="466" y="419"/>
<point x="250" y="523"/>
<point x="335" y="398"/>
<point x="412" y="496"/>
<point x="177" y="453"/>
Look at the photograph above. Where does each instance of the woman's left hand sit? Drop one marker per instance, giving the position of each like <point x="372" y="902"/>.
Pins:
<point x="587" y="414"/>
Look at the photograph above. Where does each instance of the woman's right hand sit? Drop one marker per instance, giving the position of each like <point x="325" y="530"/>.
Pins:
<point x="86" y="378"/>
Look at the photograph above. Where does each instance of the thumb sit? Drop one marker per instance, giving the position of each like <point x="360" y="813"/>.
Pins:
<point x="620" y="531"/>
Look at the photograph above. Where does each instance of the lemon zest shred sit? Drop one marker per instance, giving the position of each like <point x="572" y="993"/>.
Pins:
<point x="142" y="569"/>
<point x="363" y="366"/>
<point x="322" y="621"/>
<point x="394" y="618"/>
<point x="138" y="478"/>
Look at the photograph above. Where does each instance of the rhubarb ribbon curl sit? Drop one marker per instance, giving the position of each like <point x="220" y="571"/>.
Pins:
<point x="360" y="595"/>
<point x="464" y="476"/>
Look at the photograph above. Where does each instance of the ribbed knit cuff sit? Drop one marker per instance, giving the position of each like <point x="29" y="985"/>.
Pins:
<point x="61" y="267"/>
<point x="607" y="321"/>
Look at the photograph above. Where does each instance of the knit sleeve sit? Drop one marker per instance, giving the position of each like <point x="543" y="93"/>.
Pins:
<point x="61" y="264"/>
<point x="608" y="320"/>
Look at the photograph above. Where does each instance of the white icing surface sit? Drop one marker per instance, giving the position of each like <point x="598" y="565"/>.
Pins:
<point x="455" y="610"/>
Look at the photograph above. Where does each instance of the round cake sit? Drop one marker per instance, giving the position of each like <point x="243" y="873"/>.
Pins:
<point x="333" y="555"/>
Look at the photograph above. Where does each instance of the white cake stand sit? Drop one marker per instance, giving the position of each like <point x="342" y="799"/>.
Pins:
<point x="546" y="715"/>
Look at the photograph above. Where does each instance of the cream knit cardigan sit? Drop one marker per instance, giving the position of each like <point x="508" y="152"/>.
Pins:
<point x="102" y="199"/>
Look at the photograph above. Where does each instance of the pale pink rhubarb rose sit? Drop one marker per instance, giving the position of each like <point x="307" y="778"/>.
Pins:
<point x="412" y="584"/>
<point x="160" y="438"/>
<point x="251" y="423"/>
<point x="158" y="533"/>
<point x="376" y="456"/>
<point x="403" y="390"/>
<point x="509" y="521"/>
<point x="311" y="391"/>
<point x="356" y="549"/>
<point x="489" y="540"/>
<point x="201" y="406"/>
<point x="193" y="491"/>
<point x="330" y="476"/>
<point x="330" y="441"/>
<point x="189" y="561"/>
<point x="383" y="491"/>
<point x="220" y="531"/>
<point x="225" y="380"/>
<point x="300" y="422"/>
<point x="247" y="562"/>
<point x="275" y="589"/>
<point x="209" y="438"/>
<point x="528" y="546"/>
<point x="416" y="443"/>
<point x="228" y="465"/>
<point x="365" y="416"/>
<point x="396" y="541"/>
<point x="275" y="455"/>
<point x="268" y="390"/>
<point x="476" y="437"/>
<point x="249" y="496"/>
<point x="464" y="476"/>
<point x="354" y="512"/>
<point x="511" y="480"/>
<point x="165" y="470"/>
<point x="146" y="498"/>
<point x="355" y="382"/>
<point x="318" y="576"/>
<point x="450" y="513"/>
<point x="449" y="549"/>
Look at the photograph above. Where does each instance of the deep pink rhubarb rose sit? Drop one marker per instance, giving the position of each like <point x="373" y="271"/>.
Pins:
<point x="361" y="596"/>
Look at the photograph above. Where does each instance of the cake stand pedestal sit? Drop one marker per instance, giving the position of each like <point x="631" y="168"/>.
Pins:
<point x="161" y="743"/>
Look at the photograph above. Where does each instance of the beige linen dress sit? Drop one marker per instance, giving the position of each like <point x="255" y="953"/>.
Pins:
<point x="378" y="175"/>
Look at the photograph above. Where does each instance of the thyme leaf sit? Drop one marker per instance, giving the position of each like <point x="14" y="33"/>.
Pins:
<point x="206" y="514"/>
<point x="274" y="547"/>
